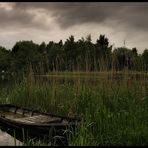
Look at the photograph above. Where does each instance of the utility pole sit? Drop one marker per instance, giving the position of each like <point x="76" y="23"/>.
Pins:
<point x="127" y="59"/>
<point x="124" y="43"/>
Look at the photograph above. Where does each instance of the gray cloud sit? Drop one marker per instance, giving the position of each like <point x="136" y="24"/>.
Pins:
<point x="124" y="20"/>
<point x="20" y="17"/>
<point x="74" y="13"/>
<point x="132" y="15"/>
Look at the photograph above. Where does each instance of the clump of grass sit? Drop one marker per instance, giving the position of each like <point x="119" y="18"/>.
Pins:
<point x="117" y="108"/>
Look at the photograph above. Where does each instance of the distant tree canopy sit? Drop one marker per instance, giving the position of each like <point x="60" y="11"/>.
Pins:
<point x="5" y="59"/>
<point x="81" y="55"/>
<point x="145" y="59"/>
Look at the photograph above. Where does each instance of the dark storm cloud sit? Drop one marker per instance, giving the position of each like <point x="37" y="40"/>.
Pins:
<point x="14" y="18"/>
<point x="19" y="17"/>
<point x="74" y="13"/>
<point x="41" y="21"/>
<point x="132" y="14"/>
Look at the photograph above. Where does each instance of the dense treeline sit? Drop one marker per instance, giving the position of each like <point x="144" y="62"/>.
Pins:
<point x="81" y="55"/>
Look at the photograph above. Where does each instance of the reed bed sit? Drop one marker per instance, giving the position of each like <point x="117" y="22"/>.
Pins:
<point x="113" y="107"/>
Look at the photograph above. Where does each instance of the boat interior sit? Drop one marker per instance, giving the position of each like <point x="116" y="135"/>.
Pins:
<point x="28" y="116"/>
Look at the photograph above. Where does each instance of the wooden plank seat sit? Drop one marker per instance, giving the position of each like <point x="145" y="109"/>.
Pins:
<point x="39" y="119"/>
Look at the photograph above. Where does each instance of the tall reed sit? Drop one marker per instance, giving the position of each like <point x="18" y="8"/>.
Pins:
<point x="113" y="105"/>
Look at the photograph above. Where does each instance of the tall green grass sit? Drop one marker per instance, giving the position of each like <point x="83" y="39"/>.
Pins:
<point x="113" y="111"/>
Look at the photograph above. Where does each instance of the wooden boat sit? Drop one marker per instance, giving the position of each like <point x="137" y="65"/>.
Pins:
<point x="24" y="123"/>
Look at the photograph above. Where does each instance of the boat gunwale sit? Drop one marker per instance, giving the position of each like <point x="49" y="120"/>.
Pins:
<point x="69" y="119"/>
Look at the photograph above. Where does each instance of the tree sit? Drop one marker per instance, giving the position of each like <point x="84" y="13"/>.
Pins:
<point x="122" y="58"/>
<point x="103" y="52"/>
<point x="134" y="51"/>
<point x="42" y="48"/>
<point x="80" y="54"/>
<point x="25" y="53"/>
<point x="5" y="59"/>
<point x="145" y="59"/>
<point x="70" y="49"/>
<point x="71" y="55"/>
<point x="55" y="54"/>
<point x="90" y="50"/>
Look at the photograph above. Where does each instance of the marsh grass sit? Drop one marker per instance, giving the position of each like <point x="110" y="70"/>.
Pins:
<point x="114" y="110"/>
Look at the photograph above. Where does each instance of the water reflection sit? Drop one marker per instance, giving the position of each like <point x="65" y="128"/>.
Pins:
<point x="91" y="79"/>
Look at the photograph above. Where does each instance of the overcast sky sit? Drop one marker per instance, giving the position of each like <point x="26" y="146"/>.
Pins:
<point x="55" y="21"/>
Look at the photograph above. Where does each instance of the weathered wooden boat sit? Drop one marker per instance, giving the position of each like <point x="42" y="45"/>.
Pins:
<point x="24" y="123"/>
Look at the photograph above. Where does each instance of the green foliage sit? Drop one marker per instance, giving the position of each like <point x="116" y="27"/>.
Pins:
<point x="25" y="53"/>
<point x="81" y="55"/>
<point x="5" y="59"/>
<point x="145" y="58"/>
<point x="114" y="112"/>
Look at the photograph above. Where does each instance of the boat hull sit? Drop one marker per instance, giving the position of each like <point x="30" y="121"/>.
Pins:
<point x="52" y="134"/>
